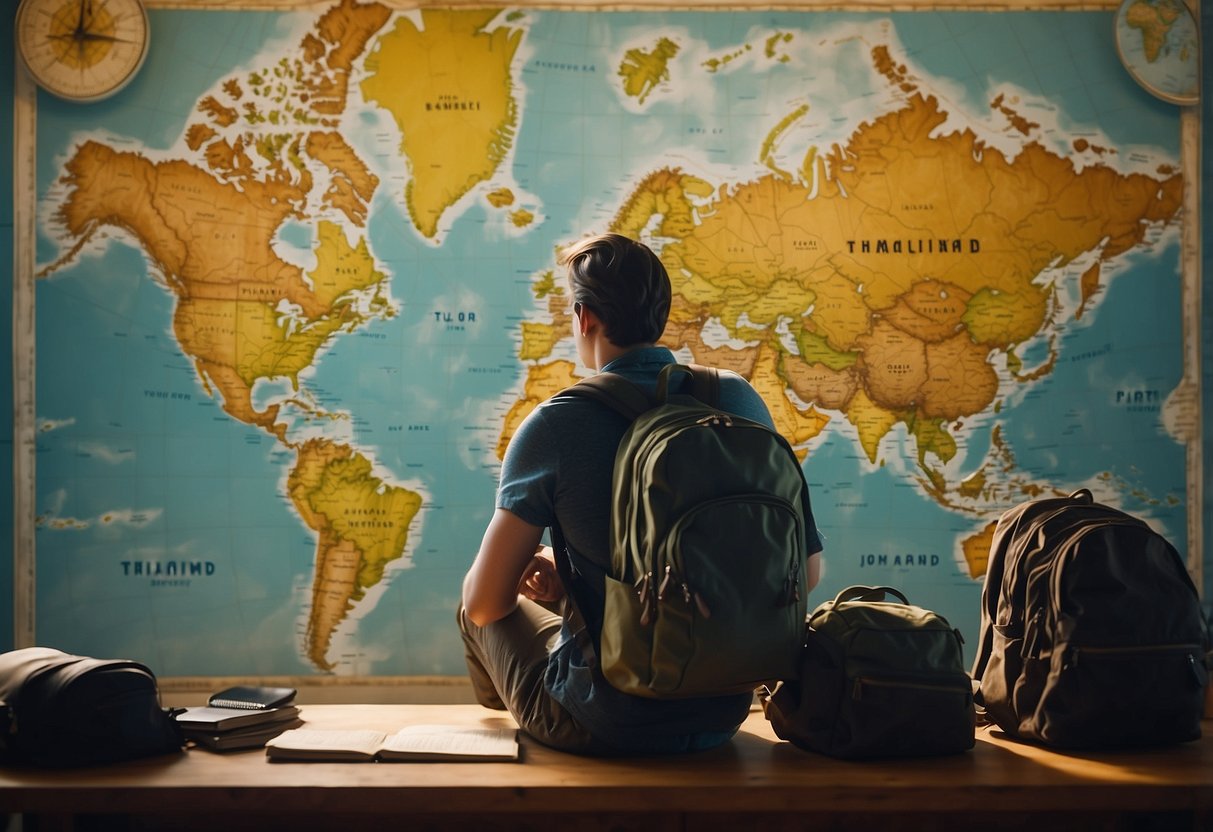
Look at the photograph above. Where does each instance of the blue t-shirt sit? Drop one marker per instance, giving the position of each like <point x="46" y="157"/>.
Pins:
<point x="558" y="467"/>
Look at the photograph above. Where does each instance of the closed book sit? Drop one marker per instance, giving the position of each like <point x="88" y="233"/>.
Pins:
<point x="252" y="697"/>
<point x="434" y="743"/>
<point x="240" y="738"/>
<point x="226" y="719"/>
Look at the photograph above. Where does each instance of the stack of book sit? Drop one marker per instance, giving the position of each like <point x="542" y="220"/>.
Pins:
<point x="246" y="716"/>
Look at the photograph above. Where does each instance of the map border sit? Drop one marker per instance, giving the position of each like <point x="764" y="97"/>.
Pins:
<point x="1189" y="392"/>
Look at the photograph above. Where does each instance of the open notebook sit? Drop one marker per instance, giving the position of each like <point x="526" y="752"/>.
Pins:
<point x="449" y="743"/>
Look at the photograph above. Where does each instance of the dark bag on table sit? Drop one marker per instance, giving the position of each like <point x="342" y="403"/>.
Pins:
<point x="1091" y="630"/>
<point x="61" y="710"/>
<point x="878" y="678"/>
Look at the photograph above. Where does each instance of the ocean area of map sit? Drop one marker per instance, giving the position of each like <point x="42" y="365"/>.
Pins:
<point x="298" y="284"/>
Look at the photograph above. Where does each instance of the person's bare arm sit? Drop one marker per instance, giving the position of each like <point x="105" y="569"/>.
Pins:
<point x="813" y="570"/>
<point x="492" y="584"/>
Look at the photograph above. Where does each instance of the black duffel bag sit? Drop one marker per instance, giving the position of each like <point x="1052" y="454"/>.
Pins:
<point x="61" y="710"/>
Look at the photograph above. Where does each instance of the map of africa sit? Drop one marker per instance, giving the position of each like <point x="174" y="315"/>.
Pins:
<point x="298" y="286"/>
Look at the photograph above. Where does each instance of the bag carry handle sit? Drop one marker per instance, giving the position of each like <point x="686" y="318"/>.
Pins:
<point x="869" y="593"/>
<point x="704" y="384"/>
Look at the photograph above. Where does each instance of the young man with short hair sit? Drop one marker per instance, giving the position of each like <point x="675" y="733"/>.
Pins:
<point x="558" y="468"/>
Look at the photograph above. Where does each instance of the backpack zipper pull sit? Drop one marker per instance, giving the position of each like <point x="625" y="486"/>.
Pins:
<point x="665" y="583"/>
<point x="644" y="591"/>
<point x="791" y="587"/>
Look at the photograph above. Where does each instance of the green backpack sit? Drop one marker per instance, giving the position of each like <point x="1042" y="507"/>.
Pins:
<point x="706" y="591"/>
<point x="879" y="677"/>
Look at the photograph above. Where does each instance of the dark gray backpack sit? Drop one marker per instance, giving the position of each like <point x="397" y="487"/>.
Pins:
<point x="61" y="710"/>
<point x="879" y="677"/>
<point x="1091" y="629"/>
<point x="706" y="593"/>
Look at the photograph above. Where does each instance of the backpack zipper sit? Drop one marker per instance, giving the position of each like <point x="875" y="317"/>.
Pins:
<point x="934" y="687"/>
<point x="789" y="594"/>
<point x="1070" y="660"/>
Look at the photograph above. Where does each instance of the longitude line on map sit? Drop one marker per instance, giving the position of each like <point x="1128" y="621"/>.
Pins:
<point x="24" y="218"/>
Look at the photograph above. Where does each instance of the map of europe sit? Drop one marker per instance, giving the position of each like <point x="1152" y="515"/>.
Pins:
<point x="299" y="287"/>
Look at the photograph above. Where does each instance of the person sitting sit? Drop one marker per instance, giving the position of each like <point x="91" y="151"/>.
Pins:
<point x="514" y="616"/>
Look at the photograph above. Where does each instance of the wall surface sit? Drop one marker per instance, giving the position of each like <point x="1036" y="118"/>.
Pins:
<point x="233" y="43"/>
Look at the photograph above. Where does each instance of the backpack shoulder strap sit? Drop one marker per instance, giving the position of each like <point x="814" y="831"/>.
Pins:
<point x="613" y="390"/>
<point x="621" y="395"/>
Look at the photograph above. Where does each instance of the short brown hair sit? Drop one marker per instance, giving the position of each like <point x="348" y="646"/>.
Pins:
<point x="624" y="283"/>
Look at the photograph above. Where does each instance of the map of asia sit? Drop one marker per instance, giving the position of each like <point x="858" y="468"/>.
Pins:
<point x="298" y="286"/>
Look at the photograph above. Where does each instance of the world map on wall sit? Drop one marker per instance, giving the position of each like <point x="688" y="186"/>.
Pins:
<point x="298" y="286"/>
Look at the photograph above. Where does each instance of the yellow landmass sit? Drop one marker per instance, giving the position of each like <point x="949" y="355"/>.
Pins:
<point x="542" y="382"/>
<point x="1001" y="318"/>
<point x="930" y="437"/>
<point x="716" y="64"/>
<point x="931" y="311"/>
<point x="832" y="389"/>
<point x="449" y="89"/>
<point x="960" y="379"/>
<point x="229" y="161"/>
<point x="521" y="218"/>
<point x="352" y="183"/>
<point x="795" y="425"/>
<point x="538" y="339"/>
<point x="766" y="155"/>
<point x="341" y="35"/>
<point x="739" y="359"/>
<point x="642" y="71"/>
<point x="871" y="421"/>
<point x="973" y="485"/>
<point x="839" y="314"/>
<point x="893" y="366"/>
<point x="665" y="194"/>
<point x="500" y="198"/>
<point x="1154" y="20"/>
<point x="362" y="525"/>
<point x="197" y="135"/>
<point x="976" y="550"/>
<point x="546" y="285"/>
<point x="1088" y="286"/>
<point x="774" y="41"/>
<point x="212" y="243"/>
<point x="905" y="264"/>
<point x="220" y="115"/>
<point x="1017" y="120"/>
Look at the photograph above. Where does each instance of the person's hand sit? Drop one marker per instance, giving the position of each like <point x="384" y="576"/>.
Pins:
<point x="540" y="581"/>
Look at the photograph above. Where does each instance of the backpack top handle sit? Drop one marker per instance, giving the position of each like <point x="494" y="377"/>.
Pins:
<point x="704" y="385"/>
<point x="869" y="593"/>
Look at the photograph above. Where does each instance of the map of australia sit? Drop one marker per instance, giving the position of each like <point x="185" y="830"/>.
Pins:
<point x="953" y="291"/>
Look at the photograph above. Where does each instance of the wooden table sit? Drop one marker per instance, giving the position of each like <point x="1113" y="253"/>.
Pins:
<point x="1000" y="784"/>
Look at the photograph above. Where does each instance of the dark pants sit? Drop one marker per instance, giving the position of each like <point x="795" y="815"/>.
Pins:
<point x="507" y="660"/>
